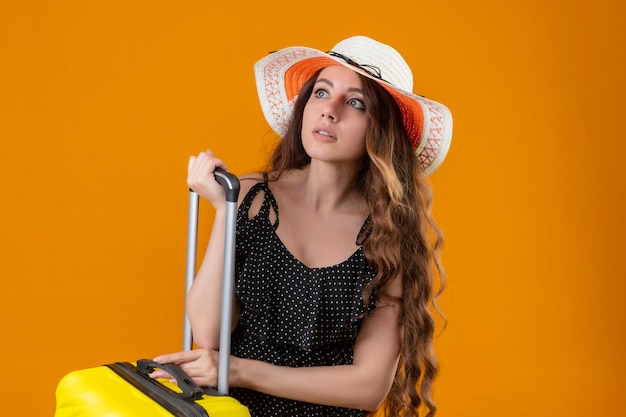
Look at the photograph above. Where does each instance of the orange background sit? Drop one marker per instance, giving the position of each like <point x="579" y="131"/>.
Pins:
<point x="101" y="103"/>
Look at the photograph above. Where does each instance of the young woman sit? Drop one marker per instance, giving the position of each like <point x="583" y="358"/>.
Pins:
<point x="337" y="250"/>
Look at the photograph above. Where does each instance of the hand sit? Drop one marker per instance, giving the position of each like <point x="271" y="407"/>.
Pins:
<point x="200" y="177"/>
<point x="200" y="364"/>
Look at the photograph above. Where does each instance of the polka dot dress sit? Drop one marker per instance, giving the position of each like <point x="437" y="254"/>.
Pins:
<point x="292" y="315"/>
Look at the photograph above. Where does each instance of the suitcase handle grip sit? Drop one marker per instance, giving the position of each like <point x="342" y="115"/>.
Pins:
<point x="187" y="385"/>
<point x="230" y="182"/>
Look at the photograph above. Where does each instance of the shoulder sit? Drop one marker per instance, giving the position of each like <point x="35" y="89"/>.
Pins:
<point x="254" y="202"/>
<point x="247" y="181"/>
<point x="390" y="294"/>
<point x="285" y="179"/>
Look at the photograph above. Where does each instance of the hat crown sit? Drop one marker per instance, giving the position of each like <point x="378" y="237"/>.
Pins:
<point x="366" y="51"/>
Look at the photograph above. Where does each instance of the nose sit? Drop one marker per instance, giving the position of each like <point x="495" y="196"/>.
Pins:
<point x="330" y="110"/>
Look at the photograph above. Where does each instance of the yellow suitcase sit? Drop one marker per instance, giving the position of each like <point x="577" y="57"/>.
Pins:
<point x="125" y="389"/>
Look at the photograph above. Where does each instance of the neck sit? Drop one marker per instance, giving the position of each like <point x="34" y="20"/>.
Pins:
<point x="327" y="187"/>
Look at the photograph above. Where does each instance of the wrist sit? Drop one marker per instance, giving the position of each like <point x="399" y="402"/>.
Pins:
<point x="219" y="208"/>
<point x="219" y="214"/>
<point x="237" y="372"/>
<point x="243" y="372"/>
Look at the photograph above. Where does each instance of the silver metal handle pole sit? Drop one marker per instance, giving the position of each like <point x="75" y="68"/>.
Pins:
<point x="192" y="246"/>
<point x="227" y="299"/>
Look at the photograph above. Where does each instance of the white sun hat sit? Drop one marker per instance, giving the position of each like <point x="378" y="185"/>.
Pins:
<point x="281" y="74"/>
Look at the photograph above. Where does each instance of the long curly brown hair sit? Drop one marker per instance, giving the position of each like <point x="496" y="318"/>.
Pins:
<point x="404" y="241"/>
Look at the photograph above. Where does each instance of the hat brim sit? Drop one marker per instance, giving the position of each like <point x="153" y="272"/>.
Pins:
<point x="281" y="74"/>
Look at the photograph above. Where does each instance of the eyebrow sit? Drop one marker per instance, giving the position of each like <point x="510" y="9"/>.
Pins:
<point x="330" y="83"/>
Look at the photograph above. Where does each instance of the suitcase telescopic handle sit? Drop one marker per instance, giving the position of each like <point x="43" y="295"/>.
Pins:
<point x="230" y="182"/>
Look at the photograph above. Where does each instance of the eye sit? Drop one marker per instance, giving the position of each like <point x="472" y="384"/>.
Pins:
<point x="356" y="103"/>
<point x="320" y="93"/>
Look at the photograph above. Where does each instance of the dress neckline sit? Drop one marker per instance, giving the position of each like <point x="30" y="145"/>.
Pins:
<point x="289" y="253"/>
<point x="360" y="238"/>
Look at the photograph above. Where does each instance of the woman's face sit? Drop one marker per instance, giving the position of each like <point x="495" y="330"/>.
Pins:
<point x="334" y="121"/>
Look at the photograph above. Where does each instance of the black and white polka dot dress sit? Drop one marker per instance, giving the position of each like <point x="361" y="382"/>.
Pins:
<point x="292" y="315"/>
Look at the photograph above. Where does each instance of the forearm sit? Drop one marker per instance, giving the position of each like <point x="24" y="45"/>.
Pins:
<point x="349" y="386"/>
<point x="363" y="385"/>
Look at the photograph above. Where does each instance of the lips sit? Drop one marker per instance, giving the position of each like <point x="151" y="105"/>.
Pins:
<point x="324" y="133"/>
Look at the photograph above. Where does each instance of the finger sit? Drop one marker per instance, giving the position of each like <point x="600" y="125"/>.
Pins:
<point x="159" y="373"/>
<point x="203" y="377"/>
<point x="191" y="164"/>
<point x="199" y="170"/>
<point x="179" y="357"/>
<point x="217" y="162"/>
<point x="205" y="165"/>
